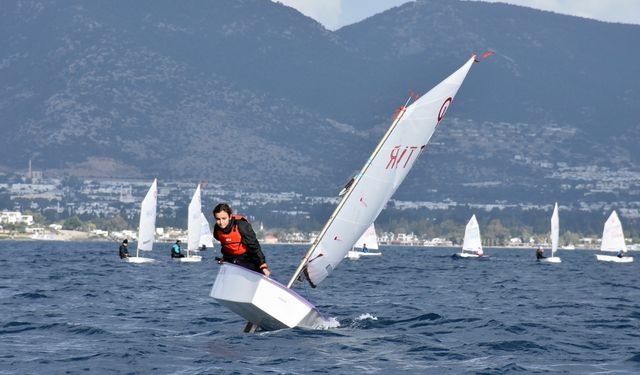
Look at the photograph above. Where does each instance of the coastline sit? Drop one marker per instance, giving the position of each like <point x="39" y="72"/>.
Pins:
<point x="78" y="236"/>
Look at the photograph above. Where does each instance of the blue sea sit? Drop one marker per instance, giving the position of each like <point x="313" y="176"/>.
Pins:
<point x="74" y="307"/>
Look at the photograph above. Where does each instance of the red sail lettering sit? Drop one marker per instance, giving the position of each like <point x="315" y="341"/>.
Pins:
<point x="392" y="157"/>
<point x="401" y="156"/>
<point x="413" y="148"/>
<point x="395" y="157"/>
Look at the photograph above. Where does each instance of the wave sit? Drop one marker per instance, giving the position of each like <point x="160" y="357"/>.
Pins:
<point x="78" y="329"/>
<point x="31" y="295"/>
<point x="514" y="346"/>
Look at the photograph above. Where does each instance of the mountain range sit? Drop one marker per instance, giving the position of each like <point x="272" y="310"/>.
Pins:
<point x="254" y="95"/>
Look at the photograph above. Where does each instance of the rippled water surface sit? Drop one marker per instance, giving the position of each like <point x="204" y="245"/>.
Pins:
<point x="76" y="308"/>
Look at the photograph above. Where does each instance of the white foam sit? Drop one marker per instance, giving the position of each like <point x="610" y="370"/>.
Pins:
<point x="366" y="316"/>
<point x="328" y="323"/>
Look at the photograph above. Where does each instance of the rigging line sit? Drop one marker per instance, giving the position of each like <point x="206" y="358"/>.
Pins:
<point x="347" y="194"/>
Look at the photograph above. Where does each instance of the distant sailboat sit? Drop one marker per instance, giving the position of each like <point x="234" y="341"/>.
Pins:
<point x="369" y="241"/>
<point x="147" y="227"/>
<point x="206" y="237"/>
<point x="194" y="228"/>
<point x="613" y="240"/>
<point x="555" y="235"/>
<point x="270" y="305"/>
<point x="472" y="242"/>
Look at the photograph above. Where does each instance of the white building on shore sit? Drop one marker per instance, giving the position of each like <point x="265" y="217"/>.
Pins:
<point x="15" y="217"/>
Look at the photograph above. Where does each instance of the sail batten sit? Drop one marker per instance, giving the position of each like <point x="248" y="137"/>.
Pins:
<point x="380" y="177"/>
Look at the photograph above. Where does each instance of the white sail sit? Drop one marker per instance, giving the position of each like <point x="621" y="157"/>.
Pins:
<point x="379" y="178"/>
<point x="472" y="241"/>
<point x="193" y="221"/>
<point x="147" y="227"/>
<point x="555" y="230"/>
<point x="612" y="235"/>
<point x="368" y="238"/>
<point x="206" y="237"/>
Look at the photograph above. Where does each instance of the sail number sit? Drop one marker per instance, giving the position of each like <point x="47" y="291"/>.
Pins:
<point x="402" y="155"/>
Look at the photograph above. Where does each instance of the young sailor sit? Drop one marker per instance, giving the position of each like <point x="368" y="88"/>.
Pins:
<point x="540" y="253"/>
<point x="239" y="244"/>
<point x="124" y="249"/>
<point x="176" y="250"/>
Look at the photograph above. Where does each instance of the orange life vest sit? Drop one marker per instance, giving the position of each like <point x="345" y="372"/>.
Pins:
<point x="232" y="242"/>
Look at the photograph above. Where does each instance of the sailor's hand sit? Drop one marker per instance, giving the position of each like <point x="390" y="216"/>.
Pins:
<point x="219" y="260"/>
<point x="266" y="272"/>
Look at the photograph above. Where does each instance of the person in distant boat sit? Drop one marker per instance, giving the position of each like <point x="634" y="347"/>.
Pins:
<point x="540" y="253"/>
<point x="479" y="252"/>
<point x="620" y="253"/>
<point x="239" y="244"/>
<point x="364" y="248"/>
<point x="124" y="249"/>
<point x="203" y="247"/>
<point x="176" y="250"/>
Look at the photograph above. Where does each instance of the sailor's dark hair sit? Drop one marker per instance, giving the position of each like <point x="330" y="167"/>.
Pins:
<point x="222" y="207"/>
<point x="125" y="241"/>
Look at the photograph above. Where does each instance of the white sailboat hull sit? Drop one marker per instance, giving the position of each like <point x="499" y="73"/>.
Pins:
<point x="191" y="259"/>
<point x="614" y="259"/>
<point x="354" y="255"/>
<point x="469" y="255"/>
<point x="263" y="301"/>
<point x="369" y="254"/>
<point x="551" y="260"/>
<point x="139" y="260"/>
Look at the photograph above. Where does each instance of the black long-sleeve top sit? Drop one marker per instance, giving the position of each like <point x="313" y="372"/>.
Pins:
<point x="123" y="251"/>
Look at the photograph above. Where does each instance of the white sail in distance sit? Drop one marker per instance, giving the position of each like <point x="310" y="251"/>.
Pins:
<point x="612" y="235"/>
<point x="147" y="226"/>
<point x="193" y="221"/>
<point x="379" y="178"/>
<point x="206" y="237"/>
<point x="368" y="238"/>
<point x="555" y="230"/>
<point x="472" y="241"/>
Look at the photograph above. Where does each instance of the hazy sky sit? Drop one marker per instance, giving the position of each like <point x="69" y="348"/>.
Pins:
<point x="334" y="14"/>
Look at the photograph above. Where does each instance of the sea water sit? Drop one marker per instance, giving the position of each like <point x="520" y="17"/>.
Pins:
<point x="71" y="307"/>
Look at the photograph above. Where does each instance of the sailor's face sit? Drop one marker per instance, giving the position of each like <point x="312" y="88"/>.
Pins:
<point x="222" y="219"/>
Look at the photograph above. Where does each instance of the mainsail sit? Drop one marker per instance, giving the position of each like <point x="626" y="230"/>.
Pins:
<point x="555" y="230"/>
<point x="379" y="178"/>
<point x="368" y="238"/>
<point x="193" y="223"/>
<point x="612" y="235"/>
<point x="206" y="237"/>
<point x="472" y="241"/>
<point x="147" y="227"/>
